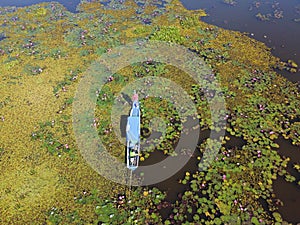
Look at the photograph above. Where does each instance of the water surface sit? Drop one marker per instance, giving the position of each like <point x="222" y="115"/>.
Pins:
<point x="279" y="34"/>
<point x="69" y="4"/>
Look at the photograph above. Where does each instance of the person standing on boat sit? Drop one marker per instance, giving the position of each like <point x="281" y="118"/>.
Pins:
<point x="135" y="97"/>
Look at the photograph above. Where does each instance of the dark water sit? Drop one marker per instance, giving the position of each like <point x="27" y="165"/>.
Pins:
<point x="69" y="4"/>
<point x="288" y="192"/>
<point x="282" y="35"/>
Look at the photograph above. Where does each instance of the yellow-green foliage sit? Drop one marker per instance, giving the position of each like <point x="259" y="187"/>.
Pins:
<point x="41" y="12"/>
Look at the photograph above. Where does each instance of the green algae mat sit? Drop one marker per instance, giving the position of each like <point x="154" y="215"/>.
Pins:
<point x="44" y="53"/>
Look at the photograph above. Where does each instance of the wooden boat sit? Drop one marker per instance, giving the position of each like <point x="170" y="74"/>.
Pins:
<point x="133" y="135"/>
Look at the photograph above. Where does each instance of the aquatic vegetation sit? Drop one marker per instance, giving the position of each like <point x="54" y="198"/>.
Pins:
<point x="278" y="14"/>
<point x="32" y="70"/>
<point x="230" y="2"/>
<point x="70" y="77"/>
<point x="123" y="208"/>
<point x="45" y="51"/>
<point x="163" y="140"/>
<point x="273" y="8"/>
<point x="229" y="189"/>
<point x="151" y="107"/>
<point x="291" y="66"/>
<point x="294" y="133"/>
<point x="168" y="34"/>
<point x="263" y="17"/>
<point x="137" y="209"/>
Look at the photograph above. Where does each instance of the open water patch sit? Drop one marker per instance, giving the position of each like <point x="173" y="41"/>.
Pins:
<point x="288" y="192"/>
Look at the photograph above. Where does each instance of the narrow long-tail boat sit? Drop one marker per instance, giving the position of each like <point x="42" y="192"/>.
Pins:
<point x="133" y="135"/>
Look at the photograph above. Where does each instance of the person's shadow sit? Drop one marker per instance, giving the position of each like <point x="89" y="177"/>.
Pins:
<point x="127" y="98"/>
<point x="123" y="121"/>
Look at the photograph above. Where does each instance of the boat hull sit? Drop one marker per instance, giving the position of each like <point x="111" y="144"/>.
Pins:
<point x="133" y="137"/>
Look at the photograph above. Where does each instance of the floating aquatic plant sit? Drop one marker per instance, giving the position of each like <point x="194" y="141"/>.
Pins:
<point x="273" y="9"/>
<point x="263" y="17"/>
<point x="230" y="2"/>
<point x="168" y="34"/>
<point x="126" y="209"/>
<point x="261" y="107"/>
